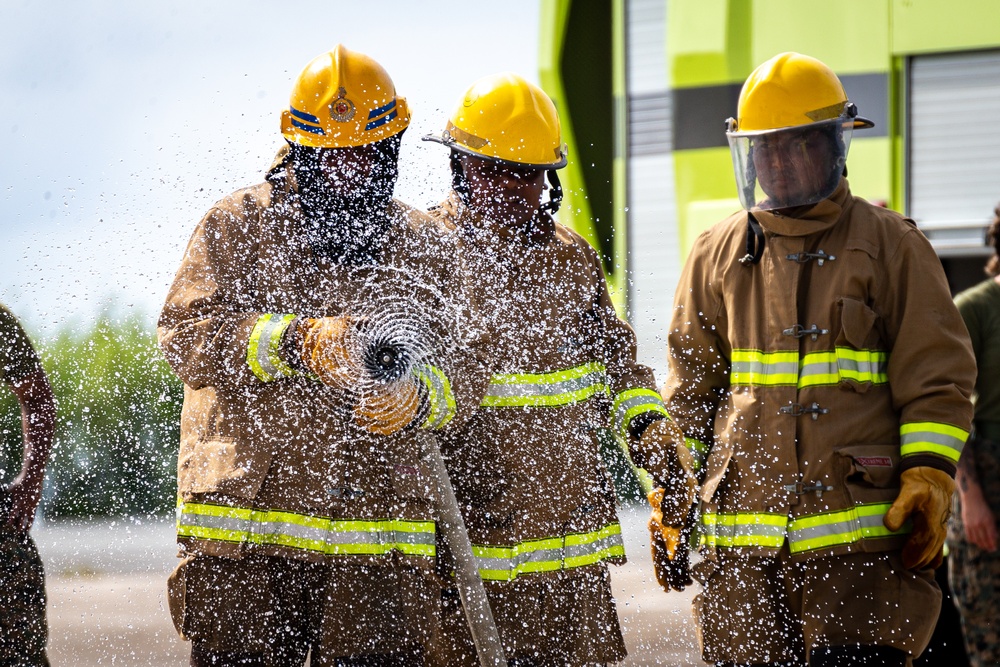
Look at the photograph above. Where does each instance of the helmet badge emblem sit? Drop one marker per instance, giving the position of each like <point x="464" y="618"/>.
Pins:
<point x="342" y="109"/>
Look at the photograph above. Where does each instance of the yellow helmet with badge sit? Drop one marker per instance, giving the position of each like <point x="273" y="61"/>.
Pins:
<point x="507" y="119"/>
<point x="343" y="98"/>
<point x="790" y="139"/>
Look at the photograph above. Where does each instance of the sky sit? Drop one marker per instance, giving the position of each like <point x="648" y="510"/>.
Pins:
<point x="122" y="123"/>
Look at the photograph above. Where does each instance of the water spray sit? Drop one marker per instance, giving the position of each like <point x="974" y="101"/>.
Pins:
<point x="402" y="323"/>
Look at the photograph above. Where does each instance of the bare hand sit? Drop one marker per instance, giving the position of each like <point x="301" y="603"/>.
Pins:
<point x="24" y="498"/>
<point x="979" y="521"/>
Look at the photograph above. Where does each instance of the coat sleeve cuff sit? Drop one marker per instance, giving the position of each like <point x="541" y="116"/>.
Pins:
<point x="928" y="461"/>
<point x="931" y="444"/>
<point x="264" y="345"/>
<point x="630" y="404"/>
<point x="440" y="398"/>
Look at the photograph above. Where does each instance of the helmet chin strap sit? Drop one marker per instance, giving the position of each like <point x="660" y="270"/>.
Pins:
<point x="458" y="182"/>
<point x="555" y="192"/>
<point x="461" y="186"/>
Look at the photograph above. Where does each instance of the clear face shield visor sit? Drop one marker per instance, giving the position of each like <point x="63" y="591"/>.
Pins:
<point x="788" y="167"/>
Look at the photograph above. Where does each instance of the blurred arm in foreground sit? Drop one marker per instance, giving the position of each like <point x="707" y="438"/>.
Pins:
<point x="23" y="629"/>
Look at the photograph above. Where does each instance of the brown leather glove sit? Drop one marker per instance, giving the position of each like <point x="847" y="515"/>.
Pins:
<point x="673" y="470"/>
<point x="669" y="547"/>
<point x="326" y="346"/>
<point x="389" y="409"/>
<point x="924" y="497"/>
<point x="670" y="523"/>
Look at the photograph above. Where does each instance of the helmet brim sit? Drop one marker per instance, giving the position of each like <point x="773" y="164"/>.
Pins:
<point x="459" y="148"/>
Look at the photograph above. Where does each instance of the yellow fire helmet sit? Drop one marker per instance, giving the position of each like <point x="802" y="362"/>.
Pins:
<point x="343" y="98"/>
<point x="506" y="119"/>
<point x="791" y="90"/>
<point x="793" y="130"/>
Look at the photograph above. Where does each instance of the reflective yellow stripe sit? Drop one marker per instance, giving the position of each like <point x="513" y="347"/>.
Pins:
<point x="805" y="533"/>
<point x="770" y="369"/>
<point x="262" y="349"/>
<point x="827" y="368"/>
<point x="439" y="394"/>
<point x="759" y="368"/>
<point x="305" y="532"/>
<point x="831" y="529"/>
<point x="932" y="438"/>
<point x="743" y="529"/>
<point x="553" y="389"/>
<point x="632" y="402"/>
<point x="548" y="554"/>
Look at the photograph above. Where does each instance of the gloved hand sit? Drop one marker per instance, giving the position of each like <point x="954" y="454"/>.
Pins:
<point x="924" y="497"/>
<point x="326" y="348"/>
<point x="669" y="547"/>
<point x="389" y="409"/>
<point x="672" y="466"/>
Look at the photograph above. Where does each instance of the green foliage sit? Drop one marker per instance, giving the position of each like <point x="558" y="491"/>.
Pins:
<point x="118" y="425"/>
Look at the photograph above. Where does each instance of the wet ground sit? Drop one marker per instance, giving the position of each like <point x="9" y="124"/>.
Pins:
<point x="107" y="603"/>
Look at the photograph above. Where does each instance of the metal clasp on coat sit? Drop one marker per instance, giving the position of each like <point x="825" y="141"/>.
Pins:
<point x="801" y="488"/>
<point x="346" y="492"/>
<point x="797" y="410"/>
<point x="798" y="331"/>
<point x="569" y="345"/>
<point x="803" y="257"/>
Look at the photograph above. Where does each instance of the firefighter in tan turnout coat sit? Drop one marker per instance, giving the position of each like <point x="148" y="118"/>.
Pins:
<point x="537" y="499"/>
<point x="305" y="518"/>
<point x="819" y="367"/>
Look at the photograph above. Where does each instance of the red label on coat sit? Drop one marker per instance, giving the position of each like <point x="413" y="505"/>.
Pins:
<point x="406" y="470"/>
<point x="874" y="461"/>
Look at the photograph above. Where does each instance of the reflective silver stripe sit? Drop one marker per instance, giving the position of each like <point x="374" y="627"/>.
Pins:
<point x="934" y="438"/>
<point x="805" y="533"/>
<point x="305" y="532"/>
<point x="740" y="529"/>
<point x="549" y="554"/>
<point x="831" y="529"/>
<point x="439" y="394"/>
<point x="554" y="389"/>
<point x="631" y="403"/>
<point x="262" y="350"/>
<point x="785" y="368"/>
<point x="826" y="368"/>
<point x="699" y="450"/>
<point x="756" y="367"/>
<point x="292" y="529"/>
<point x="514" y="564"/>
<point x="546" y="389"/>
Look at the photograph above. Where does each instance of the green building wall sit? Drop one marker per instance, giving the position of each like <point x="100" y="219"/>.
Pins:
<point x="582" y="70"/>
<point x="712" y="46"/>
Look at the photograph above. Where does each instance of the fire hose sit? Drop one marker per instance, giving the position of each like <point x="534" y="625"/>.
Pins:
<point x="402" y="327"/>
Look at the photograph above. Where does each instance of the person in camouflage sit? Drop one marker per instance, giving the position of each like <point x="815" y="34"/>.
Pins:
<point x="23" y="628"/>
<point x="974" y="562"/>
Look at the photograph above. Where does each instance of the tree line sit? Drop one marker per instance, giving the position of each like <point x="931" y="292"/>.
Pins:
<point x="118" y="422"/>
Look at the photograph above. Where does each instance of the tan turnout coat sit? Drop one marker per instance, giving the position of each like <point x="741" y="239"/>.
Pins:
<point x="536" y="496"/>
<point x="278" y="467"/>
<point x="835" y="369"/>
